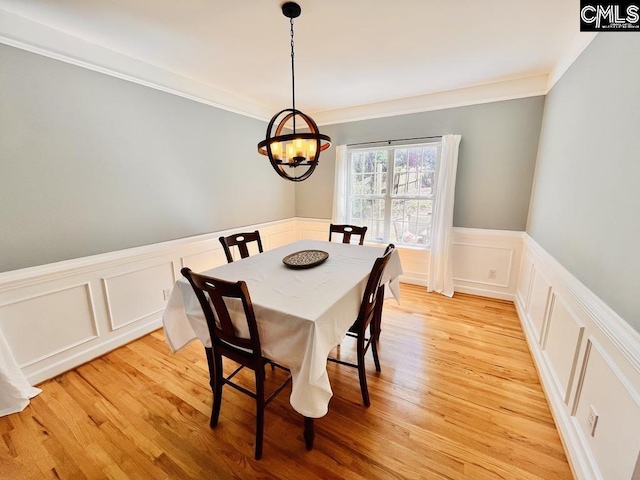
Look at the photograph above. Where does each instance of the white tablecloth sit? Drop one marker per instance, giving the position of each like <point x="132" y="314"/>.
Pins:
<point x="301" y="314"/>
<point x="15" y="390"/>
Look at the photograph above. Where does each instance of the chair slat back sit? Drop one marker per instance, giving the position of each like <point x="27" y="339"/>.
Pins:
<point x="373" y="290"/>
<point x="240" y="240"/>
<point x="210" y="290"/>
<point x="347" y="231"/>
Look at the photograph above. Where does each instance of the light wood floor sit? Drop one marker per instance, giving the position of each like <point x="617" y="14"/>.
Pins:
<point x="458" y="398"/>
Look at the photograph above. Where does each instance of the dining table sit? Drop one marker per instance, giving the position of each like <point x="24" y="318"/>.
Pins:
<point x="301" y="313"/>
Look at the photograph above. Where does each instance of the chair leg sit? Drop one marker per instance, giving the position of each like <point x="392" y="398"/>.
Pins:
<point x="212" y="370"/>
<point x="377" y="319"/>
<point x="215" y="381"/>
<point x="362" y="372"/>
<point x="259" y="411"/>
<point x="217" y="393"/>
<point x="374" y="348"/>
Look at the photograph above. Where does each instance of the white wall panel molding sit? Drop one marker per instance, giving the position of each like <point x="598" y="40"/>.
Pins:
<point x="53" y="322"/>
<point x="476" y="251"/>
<point x="539" y="302"/>
<point x="626" y="339"/>
<point x="415" y="261"/>
<point x="561" y="344"/>
<point x="500" y="255"/>
<point x="31" y="324"/>
<point x="578" y="457"/>
<point x="312" y="229"/>
<point x="523" y="292"/>
<point x="134" y="286"/>
<point x="586" y="357"/>
<point x="137" y="294"/>
<point x="44" y="370"/>
<point x="486" y="262"/>
<point x="612" y="439"/>
<point x="202" y="261"/>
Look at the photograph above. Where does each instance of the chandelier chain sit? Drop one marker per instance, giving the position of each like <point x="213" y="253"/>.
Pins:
<point x="293" y="78"/>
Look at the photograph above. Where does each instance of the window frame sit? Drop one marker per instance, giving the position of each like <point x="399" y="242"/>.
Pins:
<point x="388" y="197"/>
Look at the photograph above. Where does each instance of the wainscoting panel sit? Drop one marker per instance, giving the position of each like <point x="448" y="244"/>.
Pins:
<point x="58" y="316"/>
<point x="137" y="294"/>
<point x="415" y="264"/>
<point x="51" y="322"/>
<point x="277" y="239"/>
<point x="562" y="345"/>
<point x="199" y="262"/>
<point x="614" y="437"/>
<point x="588" y="360"/>
<point x="312" y="229"/>
<point x="524" y="282"/>
<point x="477" y="264"/>
<point x="538" y="303"/>
<point x="475" y="253"/>
<point x="486" y="262"/>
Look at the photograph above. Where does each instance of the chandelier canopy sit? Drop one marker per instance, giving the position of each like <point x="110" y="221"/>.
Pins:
<point x="294" y="156"/>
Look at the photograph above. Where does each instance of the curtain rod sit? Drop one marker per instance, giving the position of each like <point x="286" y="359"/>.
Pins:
<point x="395" y="140"/>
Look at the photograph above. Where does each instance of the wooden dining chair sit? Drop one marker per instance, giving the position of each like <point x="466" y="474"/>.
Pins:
<point x="240" y="240"/>
<point x="347" y="231"/>
<point x="369" y="317"/>
<point x="226" y="343"/>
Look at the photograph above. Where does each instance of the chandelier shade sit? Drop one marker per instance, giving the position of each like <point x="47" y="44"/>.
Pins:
<point x="294" y="156"/>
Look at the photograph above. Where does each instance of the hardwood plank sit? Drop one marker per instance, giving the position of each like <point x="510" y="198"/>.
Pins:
<point x="458" y="397"/>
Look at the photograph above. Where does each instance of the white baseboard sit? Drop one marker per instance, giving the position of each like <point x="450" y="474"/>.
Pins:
<point x="484" y="292"/>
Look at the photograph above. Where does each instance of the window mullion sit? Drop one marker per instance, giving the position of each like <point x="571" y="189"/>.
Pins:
<point x="387" y="201"/>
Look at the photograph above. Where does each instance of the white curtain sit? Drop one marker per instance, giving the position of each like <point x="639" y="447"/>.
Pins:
<point x="440" y="263"/>
<point x="339" y="214"/>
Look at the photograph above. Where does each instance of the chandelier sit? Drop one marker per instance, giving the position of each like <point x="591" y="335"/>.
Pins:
<point x="294" y="156"/>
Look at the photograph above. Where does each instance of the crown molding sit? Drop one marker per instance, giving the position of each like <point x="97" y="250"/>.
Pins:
<point x="580" y="41"/>
<point x="19" y="32"/>
<point x="491" y="92"/>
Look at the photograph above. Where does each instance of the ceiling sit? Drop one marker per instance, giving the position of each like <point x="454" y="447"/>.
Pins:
<point x="349" y="53"/>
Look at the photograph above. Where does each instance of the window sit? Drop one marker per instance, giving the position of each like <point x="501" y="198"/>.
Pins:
<point x="391" y="191"/>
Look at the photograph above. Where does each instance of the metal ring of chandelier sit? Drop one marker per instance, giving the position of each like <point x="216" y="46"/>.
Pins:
<point x="293" y="150"/>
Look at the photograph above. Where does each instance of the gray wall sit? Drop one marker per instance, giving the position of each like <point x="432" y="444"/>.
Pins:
<point x="92" y="164"/>
<point x="585" y="209"/>
<point x="495" y="165"/>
